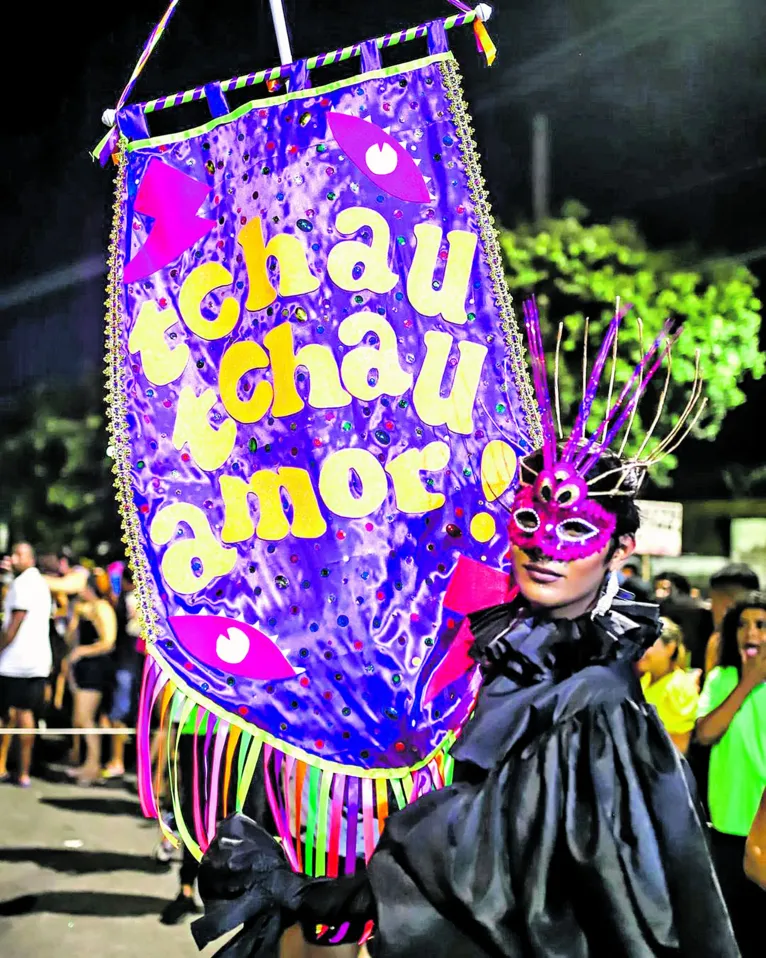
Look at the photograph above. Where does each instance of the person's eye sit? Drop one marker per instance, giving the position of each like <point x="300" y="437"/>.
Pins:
<point x="576" y="530"/>
<point x="527" y="520"/>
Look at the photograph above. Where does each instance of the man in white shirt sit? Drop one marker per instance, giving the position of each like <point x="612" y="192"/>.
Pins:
<point x="25" y="655"/>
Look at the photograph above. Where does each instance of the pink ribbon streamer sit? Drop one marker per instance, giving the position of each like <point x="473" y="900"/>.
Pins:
<point x="143" y="742"/>
<point x="212" y="811"/>
<point x="276" y="808"/>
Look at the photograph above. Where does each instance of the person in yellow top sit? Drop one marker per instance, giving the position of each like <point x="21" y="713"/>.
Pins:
<point x="669" y="686"/>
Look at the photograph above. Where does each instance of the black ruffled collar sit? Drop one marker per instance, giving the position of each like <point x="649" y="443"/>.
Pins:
<point x="533" y="647"/>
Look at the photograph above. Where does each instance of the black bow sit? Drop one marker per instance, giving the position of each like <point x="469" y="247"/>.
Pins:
<point x="244" y="879"/>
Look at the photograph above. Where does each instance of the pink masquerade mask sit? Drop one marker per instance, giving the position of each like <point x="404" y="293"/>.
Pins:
<point x="558" y="514"/>
<point x="555" y="516"/>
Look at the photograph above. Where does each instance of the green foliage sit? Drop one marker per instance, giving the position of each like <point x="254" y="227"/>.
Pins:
<point x="55" y="483"/>
<point x="578" y="270"/>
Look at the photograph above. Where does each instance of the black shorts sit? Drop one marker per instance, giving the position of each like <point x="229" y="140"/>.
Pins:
<point x="93" y="673"/>
<point x="25" y="694"/>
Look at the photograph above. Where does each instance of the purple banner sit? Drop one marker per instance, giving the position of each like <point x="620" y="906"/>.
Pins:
<point x="318" y="404"/>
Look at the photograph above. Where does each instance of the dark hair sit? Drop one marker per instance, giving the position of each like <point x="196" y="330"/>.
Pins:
<point x="681" y="583"/>
<point x="49" y="564"/>
<point x="623" y="506"/>
<point x="98" y="581"/>
<point x="730" y="654"/>
<point x="735" y="575"/>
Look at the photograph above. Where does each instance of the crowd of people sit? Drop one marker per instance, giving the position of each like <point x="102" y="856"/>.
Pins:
<point x="706" y="675"/>
<point x="70" y="646"/>
<point x="70" y="654"/>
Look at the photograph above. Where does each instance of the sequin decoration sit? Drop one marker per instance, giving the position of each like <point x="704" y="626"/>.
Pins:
<point x="299" y="412"/>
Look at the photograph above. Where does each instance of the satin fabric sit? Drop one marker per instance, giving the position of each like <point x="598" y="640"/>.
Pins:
<point x="360" y="609"/>
<point x="572" y="830"/>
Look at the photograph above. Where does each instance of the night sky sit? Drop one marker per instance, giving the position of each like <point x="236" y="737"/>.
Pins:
<point x="656" y="111"/>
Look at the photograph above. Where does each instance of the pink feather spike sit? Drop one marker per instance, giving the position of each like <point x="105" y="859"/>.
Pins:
<point x="615" y="425"/>
<point x="540" y="381"/>
<point x="591" y="390"/>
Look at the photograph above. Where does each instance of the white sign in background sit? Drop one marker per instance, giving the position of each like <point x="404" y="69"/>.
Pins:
<point x="660" y="533"/>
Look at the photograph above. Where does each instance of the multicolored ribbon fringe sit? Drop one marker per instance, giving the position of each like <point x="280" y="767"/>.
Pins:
<point x="327" y="820"/>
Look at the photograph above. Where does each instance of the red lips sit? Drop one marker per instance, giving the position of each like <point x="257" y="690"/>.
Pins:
<point x="541" y="574"/>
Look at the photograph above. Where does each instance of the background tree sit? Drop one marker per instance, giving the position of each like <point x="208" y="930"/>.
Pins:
<point x="55" y="479"/>
<point x="578" y="270"/>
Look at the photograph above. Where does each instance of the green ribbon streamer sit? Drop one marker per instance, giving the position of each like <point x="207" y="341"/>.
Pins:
<point x="311" y="819"/>
<point x="188" y="711"/>
<point x="246" y="778"/>
<point x="245" y="741"/>
<point x="323" y="822"/>
<point x="396" y="785"/>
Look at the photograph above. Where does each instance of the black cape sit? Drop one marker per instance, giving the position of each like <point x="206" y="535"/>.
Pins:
<point x="571" y="829"/>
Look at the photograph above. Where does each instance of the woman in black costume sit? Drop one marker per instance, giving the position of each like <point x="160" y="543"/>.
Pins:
<point x="571" y="829"/>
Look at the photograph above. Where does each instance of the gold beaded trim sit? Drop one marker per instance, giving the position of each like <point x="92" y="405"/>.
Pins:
<point x="492" y="253"/>
<point x="115" y="379"/>
<point x="116" y="402"/>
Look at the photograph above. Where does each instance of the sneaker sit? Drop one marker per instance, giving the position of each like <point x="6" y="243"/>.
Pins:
<point x="178" y="909"/>
<point x="165" y="851"/>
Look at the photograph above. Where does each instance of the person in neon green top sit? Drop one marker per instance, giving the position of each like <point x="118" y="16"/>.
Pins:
<point x="669" y="686"/>
<point x="732" y="718"/>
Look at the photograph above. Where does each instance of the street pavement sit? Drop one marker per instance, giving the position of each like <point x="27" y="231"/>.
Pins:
<point x="77" y="876"/>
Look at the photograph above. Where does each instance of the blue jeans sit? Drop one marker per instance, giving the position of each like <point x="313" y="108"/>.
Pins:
<point x="123" y="701"/>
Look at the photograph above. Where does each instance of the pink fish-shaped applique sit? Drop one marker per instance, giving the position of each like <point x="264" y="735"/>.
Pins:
<point x="377" y="154"/>
<point x="231" y="646"/>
